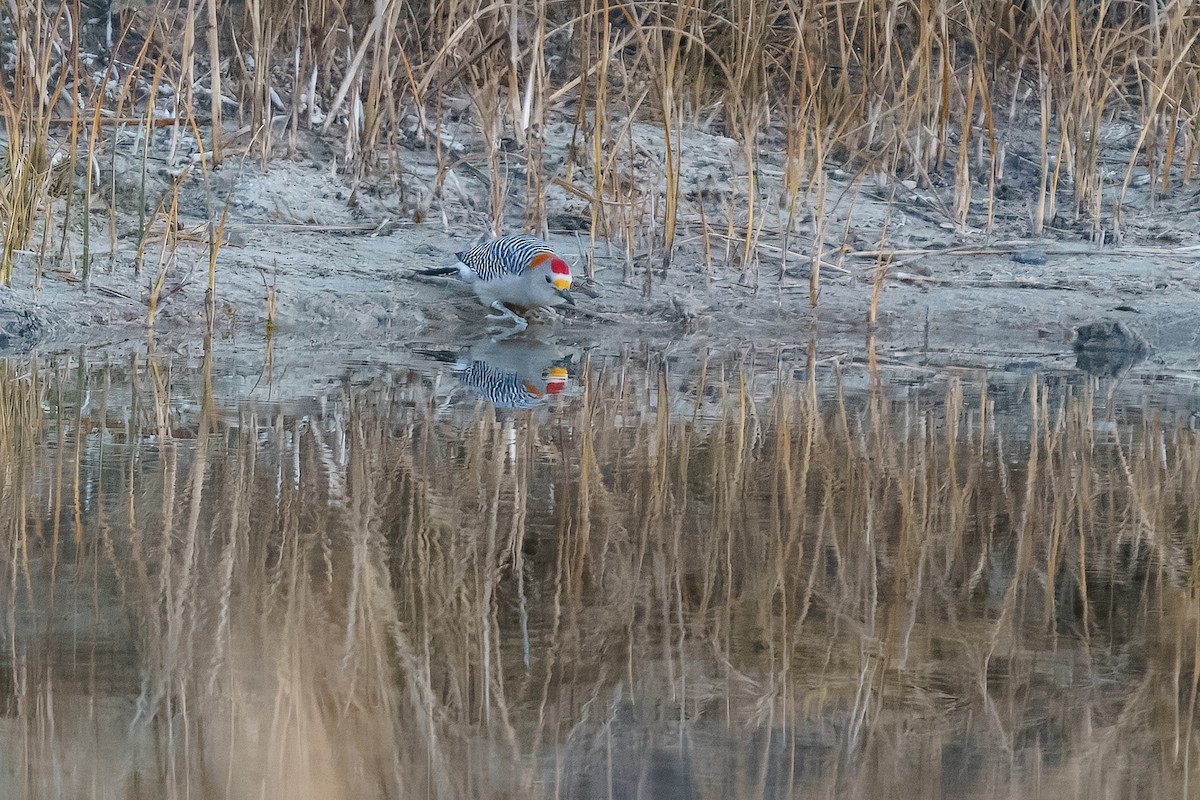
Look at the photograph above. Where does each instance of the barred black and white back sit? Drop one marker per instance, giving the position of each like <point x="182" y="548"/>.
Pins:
<point x="501" y="257"/>
<point x="501" y="387"/>
<point x="511" y="274"/>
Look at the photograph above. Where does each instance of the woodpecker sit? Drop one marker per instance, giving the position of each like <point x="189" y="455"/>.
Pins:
<point x="509" y="373"/>
<point x="512" y="275"/>
<point x="505" y="387"/>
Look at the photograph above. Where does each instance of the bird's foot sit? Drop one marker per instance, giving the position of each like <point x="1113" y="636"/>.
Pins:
<point x="499" y="334"/>
<point x="507" y="314"/>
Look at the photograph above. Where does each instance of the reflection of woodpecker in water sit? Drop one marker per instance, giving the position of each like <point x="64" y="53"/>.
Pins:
<point x="1109" y="349"/>
<point x="510" y="373"/>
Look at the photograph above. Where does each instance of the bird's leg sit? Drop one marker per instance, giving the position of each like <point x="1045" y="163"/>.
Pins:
<point x="547" y="313"/>
<point x="500" y="334"/>
<point x="506" y="313"/>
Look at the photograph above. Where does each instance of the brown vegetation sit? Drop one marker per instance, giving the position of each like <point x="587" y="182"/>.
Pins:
<point x="922" y="92"/>
<point x="748" y="585"/>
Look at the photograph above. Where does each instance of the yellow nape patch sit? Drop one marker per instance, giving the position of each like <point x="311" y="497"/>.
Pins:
<point x="539" y="259"/>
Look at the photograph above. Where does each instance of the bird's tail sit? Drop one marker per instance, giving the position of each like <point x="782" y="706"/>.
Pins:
<point x="438" y="271"/>
<point x="443" y="356"/>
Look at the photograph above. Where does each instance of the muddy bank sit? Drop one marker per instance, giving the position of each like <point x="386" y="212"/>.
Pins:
<point x="333" y="261"/>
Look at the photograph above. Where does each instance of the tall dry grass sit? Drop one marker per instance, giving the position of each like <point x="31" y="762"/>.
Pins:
<point x="958" y="97"/>
<point x="748" y="585"/>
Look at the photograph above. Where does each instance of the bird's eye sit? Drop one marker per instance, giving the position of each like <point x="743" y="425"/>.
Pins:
<point x="548" y="279"/>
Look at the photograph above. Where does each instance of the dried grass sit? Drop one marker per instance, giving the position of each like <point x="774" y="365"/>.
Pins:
<point x="923" y="91"/>
<point x="748" y="584"/>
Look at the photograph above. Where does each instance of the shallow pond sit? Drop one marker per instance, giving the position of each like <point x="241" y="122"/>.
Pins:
<point x="524" y="569"/>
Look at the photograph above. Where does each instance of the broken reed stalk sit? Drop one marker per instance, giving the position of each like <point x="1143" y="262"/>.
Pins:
<point x="216" y="229"/>
<point x="168" y="213"/>
<point x="147" y="135"/>
<point x="599" y="122"/>
<point x="270" y="295"/>
<point x="882" y="264"/>
<point x="532" y="114"/>
<point x="669" y="60"/>
<point x="820" y="221"/>
<point x="216" y="236"/>
<point x="214" y="80"/>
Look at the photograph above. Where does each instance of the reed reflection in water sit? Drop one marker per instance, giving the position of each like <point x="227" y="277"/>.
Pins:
<point x="724" y="584"/>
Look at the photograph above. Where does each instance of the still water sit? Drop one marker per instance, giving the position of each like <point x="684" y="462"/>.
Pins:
<point x="522" y="570"/>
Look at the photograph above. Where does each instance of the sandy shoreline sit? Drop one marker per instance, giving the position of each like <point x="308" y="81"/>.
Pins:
<point x="341" y="262"/>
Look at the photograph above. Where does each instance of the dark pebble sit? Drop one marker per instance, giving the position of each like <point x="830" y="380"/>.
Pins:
<point x="20" y="331"/>
<point x="1109" y="335"/>
<point x="1030" y="256"/>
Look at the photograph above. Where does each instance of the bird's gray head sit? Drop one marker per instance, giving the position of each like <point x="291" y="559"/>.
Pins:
<point x="557" y="278"/>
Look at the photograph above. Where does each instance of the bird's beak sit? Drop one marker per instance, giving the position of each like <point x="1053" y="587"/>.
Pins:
<point x="565" y="295"/>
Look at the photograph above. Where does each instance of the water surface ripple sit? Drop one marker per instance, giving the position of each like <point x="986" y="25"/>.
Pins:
<point x="537" y="571"/>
